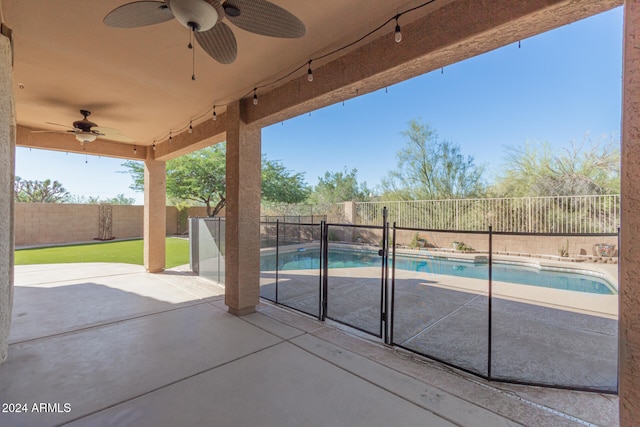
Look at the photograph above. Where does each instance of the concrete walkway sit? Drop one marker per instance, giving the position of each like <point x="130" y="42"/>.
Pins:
<point x="108" y="344"/>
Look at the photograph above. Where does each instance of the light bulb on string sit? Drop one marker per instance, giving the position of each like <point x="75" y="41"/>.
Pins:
<point x="135" y="150"/>
<point x="215" y="116"/>
<point x="255" y="97"/>
<point x="398" y="35"/>
<point x="309" y="73"/>
<point x="193" y="56"/>
<point x="170" y="137"/>
<point x="190" y="128"/>
<point x="154" y="145"/>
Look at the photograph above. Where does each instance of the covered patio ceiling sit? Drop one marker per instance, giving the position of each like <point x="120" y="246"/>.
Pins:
<point x="138" y="80"/>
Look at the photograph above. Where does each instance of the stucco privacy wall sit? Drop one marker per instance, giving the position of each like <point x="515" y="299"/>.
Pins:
<point x="7" y="172"/>
<point x="45" y="223"/>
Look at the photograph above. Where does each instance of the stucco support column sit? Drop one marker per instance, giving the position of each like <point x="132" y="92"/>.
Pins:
<point x="629" y="324"/>
<point x="242" y="234"/>
<point x="155" y="213"/>
<point x="7" y="173"/>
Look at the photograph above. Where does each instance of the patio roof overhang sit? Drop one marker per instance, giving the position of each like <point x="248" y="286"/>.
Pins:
<point x="139" y="80"/>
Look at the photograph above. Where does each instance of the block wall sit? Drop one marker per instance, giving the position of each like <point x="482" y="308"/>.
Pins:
<point x="50" y="223"/>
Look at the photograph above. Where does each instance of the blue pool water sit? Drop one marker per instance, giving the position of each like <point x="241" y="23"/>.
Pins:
<point x="519" y="274"/>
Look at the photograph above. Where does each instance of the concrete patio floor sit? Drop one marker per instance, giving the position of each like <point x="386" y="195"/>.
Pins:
<point x="446" y="318"/>
<point x="108" y="344"/>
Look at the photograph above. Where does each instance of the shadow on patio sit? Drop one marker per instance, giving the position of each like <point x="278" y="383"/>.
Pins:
<point x="123" y="347"/>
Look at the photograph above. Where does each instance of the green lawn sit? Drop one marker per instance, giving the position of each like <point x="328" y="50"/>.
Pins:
<point x="128" y="252"/>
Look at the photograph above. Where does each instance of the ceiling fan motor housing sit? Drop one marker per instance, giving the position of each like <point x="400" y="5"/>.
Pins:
<point x="84" y="125"/>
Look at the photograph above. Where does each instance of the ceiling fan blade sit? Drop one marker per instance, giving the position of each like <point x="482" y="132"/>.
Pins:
<point x="265" y="18"/>
<point x="111" y="134"/>
<point x="219" y="42"/>
<point x="58" y="124"/>
<point x="48" y="131"/>
<point x="138" y="14"/>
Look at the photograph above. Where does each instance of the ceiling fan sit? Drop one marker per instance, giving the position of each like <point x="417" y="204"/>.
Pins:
<point x="87" y="131"/>
<point x="203" y="18"/>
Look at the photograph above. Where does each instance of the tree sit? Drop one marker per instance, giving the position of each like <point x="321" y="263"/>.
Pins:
<point x="136" y="170"/>
<point x="46" y="191"/>
<point x="336" y="187"/>
<point x="82" y="200"/>
<point x="432" y="168"/>
<point x="582" y="169"/>
<point x="120" y="199"/>
<point x="200" y="177"/>
<point x="281" y="185"/>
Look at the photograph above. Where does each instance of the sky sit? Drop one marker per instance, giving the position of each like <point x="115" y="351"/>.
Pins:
<point x="557" y="87"/>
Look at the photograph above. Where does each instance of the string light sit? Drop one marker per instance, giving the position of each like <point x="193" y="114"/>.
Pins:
<point x="170" y="137"/>
<point x="135" y="150"/>
<point x="310" y="77"/>
<point x="154" y="145"/>
<point x="398" y="35"/>
<point x="310" y="73"/>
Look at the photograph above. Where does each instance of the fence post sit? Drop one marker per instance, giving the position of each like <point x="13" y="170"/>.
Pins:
<point x="529" y="214"/>
<point x="277" y="254"/>
<point x="350" y="212"/>
<point x="321" y="267"/>
<point x="490" y="294"/>
<point x="325" y="269"/>
<point x="385" y="274"/>
<point x="393" y="287"/>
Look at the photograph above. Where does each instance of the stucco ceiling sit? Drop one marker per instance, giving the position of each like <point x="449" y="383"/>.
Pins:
<point x="139" y="80"/>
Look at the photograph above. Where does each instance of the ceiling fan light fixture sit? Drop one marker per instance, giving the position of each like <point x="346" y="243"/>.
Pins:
<point x="198" y="15"/>
<point x="85" y="137"/>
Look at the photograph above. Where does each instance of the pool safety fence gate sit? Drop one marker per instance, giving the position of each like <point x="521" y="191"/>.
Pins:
<point x="546" y="318"/>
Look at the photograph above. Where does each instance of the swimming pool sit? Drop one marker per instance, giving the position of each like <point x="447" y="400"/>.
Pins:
<point x="521" y="274"/>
